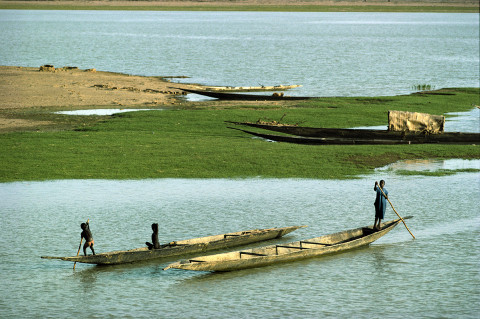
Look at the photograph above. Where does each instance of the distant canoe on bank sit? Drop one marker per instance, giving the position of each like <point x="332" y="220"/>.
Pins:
<point x="273" y="254"/>
<point x="245" y="97"/>
<point x="182" y="247"/>
<point x="316" y="135"/>
<point x="251" y="88"/>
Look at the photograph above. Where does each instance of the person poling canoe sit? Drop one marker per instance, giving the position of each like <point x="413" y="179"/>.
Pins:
<point x="87" y="234"/>
<point x="380" y="203"/>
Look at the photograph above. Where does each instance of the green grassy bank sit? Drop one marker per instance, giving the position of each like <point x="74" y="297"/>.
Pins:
<point x="194" y="142"/>
<point x="48" y="5"/>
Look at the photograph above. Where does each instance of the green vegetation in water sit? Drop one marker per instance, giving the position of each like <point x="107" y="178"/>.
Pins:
<point x="195" y="142"/>
<point x="439" y="172"/>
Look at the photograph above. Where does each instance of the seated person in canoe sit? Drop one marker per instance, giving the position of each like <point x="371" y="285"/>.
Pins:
<point x="154" y="244"/>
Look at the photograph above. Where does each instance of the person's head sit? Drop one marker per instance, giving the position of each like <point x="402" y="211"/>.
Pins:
<point x="382" y="183"/>
<point x="155" y="227"/>
<point x="83" y="226"/>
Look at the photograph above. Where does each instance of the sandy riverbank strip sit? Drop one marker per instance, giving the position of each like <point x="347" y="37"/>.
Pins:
<point x="250" y="5"/>
<point x="26" y="87"/>
<point x="72" y="88"/>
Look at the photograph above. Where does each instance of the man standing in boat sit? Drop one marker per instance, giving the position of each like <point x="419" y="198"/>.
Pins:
<point x="380" y="203"/>
<point x="87" y="234"/>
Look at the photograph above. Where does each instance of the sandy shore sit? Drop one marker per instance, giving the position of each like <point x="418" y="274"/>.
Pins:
<point x="67" y="88"/>
<point x="23" y="87"/>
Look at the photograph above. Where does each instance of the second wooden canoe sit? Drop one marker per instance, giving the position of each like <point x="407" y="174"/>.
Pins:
<point x="268" y="255"/>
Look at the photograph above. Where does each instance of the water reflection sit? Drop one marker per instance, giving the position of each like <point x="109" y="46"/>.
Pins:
<point x="380" y="262"/>
<point x="88" y="281"/>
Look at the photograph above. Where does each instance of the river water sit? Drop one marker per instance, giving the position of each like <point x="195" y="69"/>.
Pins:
<point x="436" y="275"/>
<point x="330" y="54"/>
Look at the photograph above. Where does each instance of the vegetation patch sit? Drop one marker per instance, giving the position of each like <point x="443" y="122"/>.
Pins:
<point x="439" y="172"/>
<point x="193" y="141"/>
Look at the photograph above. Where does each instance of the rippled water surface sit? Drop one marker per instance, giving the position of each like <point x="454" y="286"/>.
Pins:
<point x="436" y="275"/>
<point x="463" y="121"/>
<point x="330" y="54"/>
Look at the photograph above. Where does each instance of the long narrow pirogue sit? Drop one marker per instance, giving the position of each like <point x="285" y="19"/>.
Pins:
<point x="245" y="97"/>
<point x="251" y="88"/>
<point x="319" y="135"/>
<point x="263" y="256"/>
<point x="182" y="247"/>
<point x="323" y="140"/>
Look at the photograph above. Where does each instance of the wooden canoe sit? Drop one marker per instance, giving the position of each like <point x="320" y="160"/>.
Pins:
<point x="245" y="97"/>
<point x="268" y="255"/>
<point x="325" y="140"/>
<point x="250" y="88"/>
<point x="361" y="134"/>
<point x="182" y="247"/>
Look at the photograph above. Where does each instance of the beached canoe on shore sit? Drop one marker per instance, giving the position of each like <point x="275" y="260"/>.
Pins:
<point x="245" y="97"/>
<point x="367" y="134"/>
<point x="268" y="255"/>
<point x="250" y="88"/>
<point x="326" y="140"/>
<point x="182" y="247"/>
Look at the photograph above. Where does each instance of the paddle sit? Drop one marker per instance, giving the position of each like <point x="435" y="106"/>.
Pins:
<point x="396" y="211"/>
<point x="79" y="246"/>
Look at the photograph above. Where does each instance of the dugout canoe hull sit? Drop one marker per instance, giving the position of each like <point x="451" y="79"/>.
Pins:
<point x="245" y="97"/>
<point x="251" y="88"/>
<point x="360" y="134"/>
<point x="325" y="140"/>
<point x="182" y="247"/>
<point x="273" y="254"/>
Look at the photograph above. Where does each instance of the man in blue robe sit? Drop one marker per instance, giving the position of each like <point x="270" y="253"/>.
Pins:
<point x="380" y="203"/>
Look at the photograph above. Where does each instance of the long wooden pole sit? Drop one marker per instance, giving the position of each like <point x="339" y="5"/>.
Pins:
<point x="396" y="211"/>
<point x="79" y="247"/>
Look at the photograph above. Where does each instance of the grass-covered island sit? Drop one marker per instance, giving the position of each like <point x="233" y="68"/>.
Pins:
<point x="191" y="139"/>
